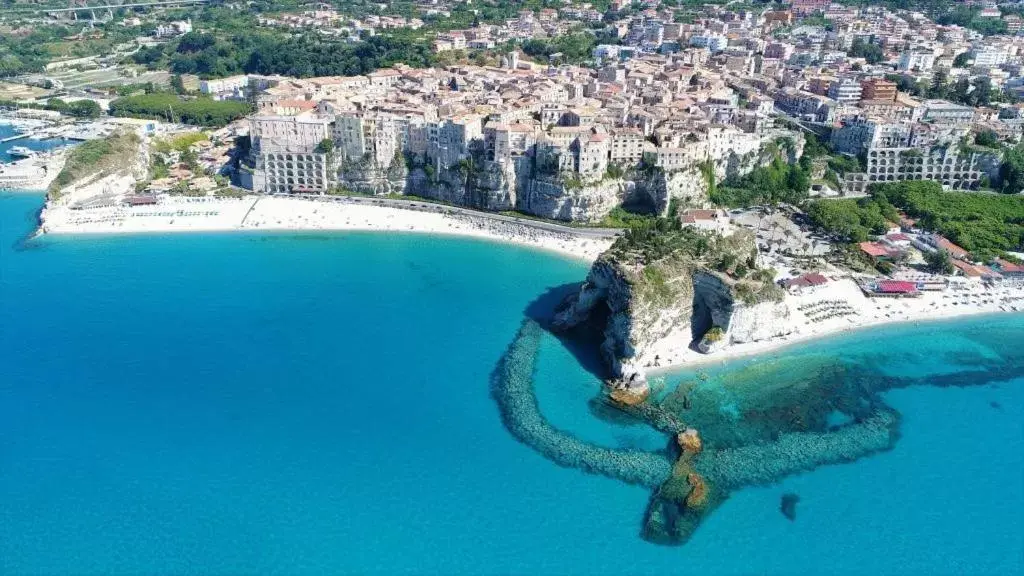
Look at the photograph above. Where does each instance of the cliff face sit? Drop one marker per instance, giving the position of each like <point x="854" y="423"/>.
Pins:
<point x="673" y="302"/>
<point x="369" y="177"/>
<point x="583" y="203"/>
<point x="487" y="186"/>
<point x="521" y="185"/>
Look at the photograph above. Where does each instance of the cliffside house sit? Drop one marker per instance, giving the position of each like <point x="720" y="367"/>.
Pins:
<point x="710" y="220"/>
<point x="953" y="250"/>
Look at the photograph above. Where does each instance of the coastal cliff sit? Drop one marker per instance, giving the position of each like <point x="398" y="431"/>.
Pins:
<point x="657" y="290"/>
<point x="541" y="185"/>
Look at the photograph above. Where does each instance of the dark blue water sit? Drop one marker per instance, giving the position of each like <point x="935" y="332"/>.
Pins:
<point x="319" y="403"/>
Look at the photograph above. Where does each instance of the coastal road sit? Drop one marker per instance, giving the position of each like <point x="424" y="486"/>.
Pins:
<point x="424" y="206"/>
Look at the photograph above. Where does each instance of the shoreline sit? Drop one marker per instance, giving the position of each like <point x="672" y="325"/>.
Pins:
<point x="106" y="215"/>
<point x="281" y="214"/>
<point x="777" y="345"/>
<point x="951" y="304"/>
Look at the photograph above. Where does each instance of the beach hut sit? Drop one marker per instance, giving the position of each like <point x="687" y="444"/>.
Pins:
<point x="875" y="250"/>
<point x="896" y="288"/>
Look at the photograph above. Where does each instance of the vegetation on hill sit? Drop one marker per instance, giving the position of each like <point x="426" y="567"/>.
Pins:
<point x="852" y="220"/>
<point x="1011" y="171"/>
<point x="664" y="249"/>
<point x="174" y="108"/>
<point x="77" y="109"/>
<point x="775" y="183"/>
<point x="235" y="45"/>
<point x="574" y="48"/>
<point x="986" y="225"/>
<point x="100" y="156"/>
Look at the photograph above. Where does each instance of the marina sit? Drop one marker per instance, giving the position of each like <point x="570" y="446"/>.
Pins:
<point x="21" y="152"/>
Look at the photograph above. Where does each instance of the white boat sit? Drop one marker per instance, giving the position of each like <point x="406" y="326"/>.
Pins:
<point x="21" y="152"/>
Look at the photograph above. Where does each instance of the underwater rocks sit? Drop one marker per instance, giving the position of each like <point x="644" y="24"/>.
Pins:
<point x="788" y="506"/>
<point x="689" y="441"/>
<point x="512" y="389"/>
<point x="698" y="495"/>
<point x="630" y="395"/>
<point x="685" y="491"/>
<point x="763" y="463"/>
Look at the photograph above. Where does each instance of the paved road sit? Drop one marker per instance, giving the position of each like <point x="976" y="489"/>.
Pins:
<point x="442" y="208"/>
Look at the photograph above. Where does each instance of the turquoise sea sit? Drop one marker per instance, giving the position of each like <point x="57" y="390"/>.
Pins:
<point x="311" y="403"/>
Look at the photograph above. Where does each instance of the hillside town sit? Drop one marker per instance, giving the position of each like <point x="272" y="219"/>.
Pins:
<point x="717" y="116"/>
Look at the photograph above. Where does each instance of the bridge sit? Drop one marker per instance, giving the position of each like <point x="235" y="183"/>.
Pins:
<point x="103" y="6"/>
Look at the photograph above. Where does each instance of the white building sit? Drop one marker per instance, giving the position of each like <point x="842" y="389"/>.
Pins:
<point x="287" y="154"/>
<point x="990" y="56"/>
<point x="917" y="61"/>
<point x="713" y="42"/>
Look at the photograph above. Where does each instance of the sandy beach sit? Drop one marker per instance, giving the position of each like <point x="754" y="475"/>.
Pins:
<point x="840" y="306"/>
<point x="836" y="307"/>
<point x="185" y="214"/>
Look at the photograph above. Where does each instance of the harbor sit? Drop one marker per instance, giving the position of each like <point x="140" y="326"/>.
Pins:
<point x="31" y="149"/>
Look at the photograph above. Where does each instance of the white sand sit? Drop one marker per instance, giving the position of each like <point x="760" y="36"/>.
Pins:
<point x="863" y="312"/>
<point x="182" y="214"/>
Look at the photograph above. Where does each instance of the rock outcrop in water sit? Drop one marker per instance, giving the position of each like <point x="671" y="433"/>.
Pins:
<point x="696" y="473"/>
<point x="704" y="289"/>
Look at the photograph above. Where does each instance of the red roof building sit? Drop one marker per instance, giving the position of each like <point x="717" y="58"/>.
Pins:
<point x="896" y="287"/>
<point x="805" y="281"/>
<point x="950" y="248"/>
<point x="972" y="271"/>
<point x="874" y="249"/>
<point x="1007" y="268"/>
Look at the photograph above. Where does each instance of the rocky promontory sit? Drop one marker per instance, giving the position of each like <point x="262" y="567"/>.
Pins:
<point x="681" y="286"/>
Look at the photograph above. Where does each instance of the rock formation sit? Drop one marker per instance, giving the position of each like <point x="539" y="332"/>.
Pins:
<point x="689" y="442"/>
<point x="788" y="506"/>
<point x="641" y="296"/>
<point x="521" y="184"/>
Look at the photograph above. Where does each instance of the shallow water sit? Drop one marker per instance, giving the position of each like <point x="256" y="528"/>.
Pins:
<point x="313" y="403"/>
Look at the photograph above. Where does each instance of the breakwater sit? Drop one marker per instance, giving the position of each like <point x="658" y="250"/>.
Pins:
<point x="689" y="486"/>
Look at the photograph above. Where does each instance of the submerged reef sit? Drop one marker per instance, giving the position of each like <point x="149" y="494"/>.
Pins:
<point x="512" y="388"/>
<point x="693" y="475"/>
<point x="742" y="427"/>
<point x="788" y="506"/>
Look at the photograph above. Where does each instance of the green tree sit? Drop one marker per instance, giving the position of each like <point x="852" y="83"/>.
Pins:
<point x="177" y="84"/>
<point x="939" y="87"/>
<point x="987" y="138"/>
<point x="84" y="109"/>
<point x="938" y="261"/>
<point x="1011" y="171"/>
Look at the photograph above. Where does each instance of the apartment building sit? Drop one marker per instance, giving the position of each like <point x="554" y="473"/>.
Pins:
<point x="845" y="90"/>
<point x="287" y="154"/>
<point x="878" y="89"/>
<point x="627" y="145"/>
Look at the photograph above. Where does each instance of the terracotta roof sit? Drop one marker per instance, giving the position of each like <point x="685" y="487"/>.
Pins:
<point x="897" y="287"/>
<point x="694" y="215"/>
<point x="873" y="249"/>
<point x="1010" y="267"/>
<point x="954" y="250"/>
